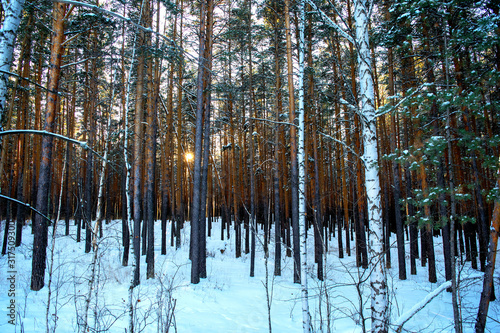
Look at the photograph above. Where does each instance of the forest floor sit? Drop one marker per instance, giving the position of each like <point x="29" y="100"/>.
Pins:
<point x="228" y="300"/>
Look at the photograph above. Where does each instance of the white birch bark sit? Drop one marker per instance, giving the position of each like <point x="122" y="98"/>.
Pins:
<point x="12" y="11"/>
<point x="378" y="279"/>
<point x="306" y="323"/>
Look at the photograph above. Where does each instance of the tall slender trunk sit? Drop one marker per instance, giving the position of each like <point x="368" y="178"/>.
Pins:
<point x="487" y="292"/>
<point x="150" y="153"/>
<point x="91" y="106"/>
<point x="453" y="205"/>
<point x="39" y="224"/>
<point x="341" y="165"/>
<point x="8" y="32"/>
<point x="277" y="145"/>
<point x="294" y="168"/>
<point x="23" y="140"/>
<point x="301" y="159"/>
<point x="378" y="279"/>
<point x="167" y="184"/>
<point x="127" y="169"/>
<point x="198" y="148"/>
<point x="253" y="223"/>
<point x="179" y="216"/>
<point x="207" y="99"/>
<point x="137" y="158"/>
<point x="393" y="139"/>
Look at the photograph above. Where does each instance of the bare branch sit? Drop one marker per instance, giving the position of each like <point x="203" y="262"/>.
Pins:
<point x="342" y="143"/>
<point x="82" y="144"/>
<point x="24" y="131"/>
<point x="128" y="20"/>
<point x="25" y="79"/>
<point x="25" y="205"/>
<point x="349" y="105"/>
<point x="392" y="108"/>
<point x="330" y="23"/>
<point x="273" y="121"/>
<point x="77" y="62"/>
<point x="121" y="17"/>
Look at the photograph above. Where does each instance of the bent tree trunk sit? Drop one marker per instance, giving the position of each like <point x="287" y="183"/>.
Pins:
<point x="40" y="225"/>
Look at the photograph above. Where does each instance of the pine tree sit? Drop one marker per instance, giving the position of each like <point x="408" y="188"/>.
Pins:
<point x="40" y="226"/>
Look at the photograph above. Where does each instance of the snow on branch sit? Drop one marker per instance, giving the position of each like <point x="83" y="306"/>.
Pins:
<point x="26" y="205"/>
<point x="330" y="22"/>
<point x="27" y="80"/>
<point x="390" y="108"/>
<point x="23" y="131"/>
<point x="420" y="305"/>
<point x="82" y="144"/>
<point x="273" y="121"/>
<point x="121" y="17"/>
<point x="105" y="11"/>
<point x="342" y="143"/>
<point x="349" y="105"/>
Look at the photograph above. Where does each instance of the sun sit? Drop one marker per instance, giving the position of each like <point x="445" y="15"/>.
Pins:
<point x="189" y="156"/>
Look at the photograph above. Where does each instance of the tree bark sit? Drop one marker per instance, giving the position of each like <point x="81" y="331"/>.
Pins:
<point x="138" y="160"/>
<point x="150" y="153"/>
<point x="198" y="148"/>
<point x="12" y="19"/>
<point x="379" y="302"/>
<point x="294" y="172"/>
<point x="253" y="223"/>
<point x="301" y="161"/>
<point x="39" y="224"/>
<point x="487" y="292"/>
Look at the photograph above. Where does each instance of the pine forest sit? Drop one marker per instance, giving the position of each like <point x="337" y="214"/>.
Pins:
<point x="249" y="165"/>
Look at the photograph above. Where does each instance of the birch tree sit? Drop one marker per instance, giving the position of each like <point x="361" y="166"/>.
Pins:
<point x="306" y="322"/>
<point x="362" y="11"/>
<point x="12" y="17"/>
<point x="294" y="173"/>
<point x="378" y="279"/>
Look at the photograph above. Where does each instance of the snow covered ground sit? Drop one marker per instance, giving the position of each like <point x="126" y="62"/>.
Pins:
<point x="228" y="300"/>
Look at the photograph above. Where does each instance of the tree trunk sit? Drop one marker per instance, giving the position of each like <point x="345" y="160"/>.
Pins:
<point x="253" y="223"/>
<point x="486" y="294"/>
<point x="306" y="319"/>
<point x="150" y="158"/>
<point x="196" y="228"/>
<point x="294" y="172"/>
<point x="207" y="100"/>
<point x="379" y="304"/>
<point x="393" y="139"/>
<point x="277" y="144"/>
<point x="11" y="21"/>
<point x="39" y="224"/>
<point x="179" y="215"/>
<point x="137" y="161"/>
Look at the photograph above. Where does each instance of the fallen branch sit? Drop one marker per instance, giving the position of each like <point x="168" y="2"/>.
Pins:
<point x="426" y="300"/>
